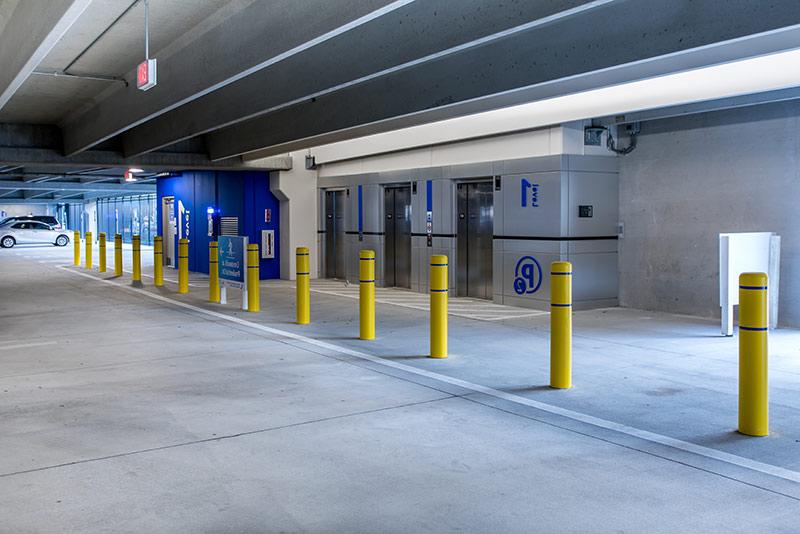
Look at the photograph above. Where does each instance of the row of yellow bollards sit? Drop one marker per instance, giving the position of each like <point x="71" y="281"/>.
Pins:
<point x="753" y="327"/>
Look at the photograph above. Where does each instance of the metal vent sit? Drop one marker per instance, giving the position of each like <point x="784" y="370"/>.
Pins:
<point x="229" y="225"/>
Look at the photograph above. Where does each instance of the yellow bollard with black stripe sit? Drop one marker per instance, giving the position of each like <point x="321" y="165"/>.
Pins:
<point x="117" y="254"/>
<point x="753" y="332"/>
<point x="158" y="261"/>
<point x="366" y="294"/>
<point x="183" y="266"/>
<point x="89" y="243"/>
<point x="253" y="279"/>
<point x="561" y="325"/>
<point x="76" y="247"/>
<point x="439" y="283"/>
<point x="102" y="238"/>
<point x="303" y="286"/>
<point x="213" y="272"/>
<point x="137" y="259"/>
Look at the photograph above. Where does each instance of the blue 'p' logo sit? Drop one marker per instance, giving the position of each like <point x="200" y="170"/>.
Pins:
<point x="527" y="276"/>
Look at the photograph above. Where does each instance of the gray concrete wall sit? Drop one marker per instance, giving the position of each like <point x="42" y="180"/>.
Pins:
<point x="694" y="177"/>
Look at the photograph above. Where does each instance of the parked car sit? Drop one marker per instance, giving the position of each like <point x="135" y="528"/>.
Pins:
<point x="47" y="219"/>
<point x="19" y="232"/>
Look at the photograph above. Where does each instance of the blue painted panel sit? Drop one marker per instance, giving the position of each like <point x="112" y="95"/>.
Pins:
<point x="245" y="195"/>
<point x="205" y="185"/>
<point x="257" y="199"/>
<point x="230" y="195"/>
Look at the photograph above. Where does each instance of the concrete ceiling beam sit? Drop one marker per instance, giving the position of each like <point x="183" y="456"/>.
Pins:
<point x="412" y="34"/>
<point x="35" y="26"/>
<point x="159" y="161"/>
<point x="261" y="33"/>
<point x="616" y="43"/>
<point x="131" y="187"/>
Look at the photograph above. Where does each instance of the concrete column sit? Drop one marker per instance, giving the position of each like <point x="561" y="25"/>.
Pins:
<point x="296" y="190"/>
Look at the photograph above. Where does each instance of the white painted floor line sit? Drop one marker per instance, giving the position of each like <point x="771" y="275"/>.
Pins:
<point x="26" y="345"/>
<point x="165" y="279"/>
<point x="700" y="450"/>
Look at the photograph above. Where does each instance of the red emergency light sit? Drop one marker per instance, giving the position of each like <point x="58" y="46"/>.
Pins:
<point x="146" y="74"/>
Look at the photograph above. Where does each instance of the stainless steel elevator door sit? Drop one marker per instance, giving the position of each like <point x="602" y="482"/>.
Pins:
<point x="475" y="229"/>
<point x="397" y="253"/>
<point x="334" y="234"/>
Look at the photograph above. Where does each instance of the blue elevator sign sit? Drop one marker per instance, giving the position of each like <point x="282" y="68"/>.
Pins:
<point x="232" y="260"/>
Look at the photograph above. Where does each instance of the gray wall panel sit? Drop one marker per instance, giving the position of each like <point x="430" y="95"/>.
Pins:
<point x="691" y="178"/>
<point x="559" y="193"/>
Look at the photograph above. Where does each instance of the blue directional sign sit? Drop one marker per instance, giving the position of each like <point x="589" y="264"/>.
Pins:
<point x="232" y="260"/>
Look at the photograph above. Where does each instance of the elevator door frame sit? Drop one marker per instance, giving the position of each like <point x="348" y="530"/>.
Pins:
<point x="335" y="265"/>
<point x="392" y="276"/>
<point x="464" y="277"/>
<point x="168" y="229"/>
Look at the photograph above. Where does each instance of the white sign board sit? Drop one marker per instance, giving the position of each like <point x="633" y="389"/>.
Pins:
<point x="747" y="252"/>
<point x="267" y="244"/>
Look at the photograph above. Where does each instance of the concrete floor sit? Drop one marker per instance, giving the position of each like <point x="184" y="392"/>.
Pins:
<point x="128" y="410"/>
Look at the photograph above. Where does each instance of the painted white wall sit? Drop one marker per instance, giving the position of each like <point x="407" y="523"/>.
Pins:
<point x="90" y="210"/>
<point x="296" y="190"/>
<point x="379" y="156"/>
<point x="20" y="210"/>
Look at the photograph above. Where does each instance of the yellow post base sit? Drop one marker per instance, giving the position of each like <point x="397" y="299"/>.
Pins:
<point x="158" y="261"/>
<point x="253" y="279"/>
<point x="213" y="272"/>
<point x="366" y="294"/>
<point x="89" y="244"/>
<point x="102" y="238"/>
<point x="76" y="247"/>
<point x="137" y="259"/>
<point x="303" y="286"/>
<point x="117" y="254"/>
<point x="753" y="332"/>
<point x="439" y="284"/>
<point x="561" y="325"/>
<point x="183" y="266"/>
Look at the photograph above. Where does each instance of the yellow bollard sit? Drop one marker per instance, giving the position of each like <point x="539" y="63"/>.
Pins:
<point x="561" y="325"/>
<point x="102" y="237"/>
<point x="366" y="294"/>
<point x="137" y="259"/>
<point x="117" y="255"/>
<point x="213" y="272"/>
<point x="439" y="283"/>
<point x="303" y="286"/>
<point x="158" y="261"/>
<point x="253" y="282"/>
<point x="76" y="247"/>
<point x="88" y="237"/>
<point x="753" y="331"/>
<point x="183" y="266"/>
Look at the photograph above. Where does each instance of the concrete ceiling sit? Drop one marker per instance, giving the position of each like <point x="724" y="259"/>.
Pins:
<point x="40" y="184"/>
<point x="261" y="77"/>
<point x="86" y="50"/>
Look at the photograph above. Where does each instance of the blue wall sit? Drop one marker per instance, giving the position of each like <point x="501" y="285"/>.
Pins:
<point x="242" y="194"/>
